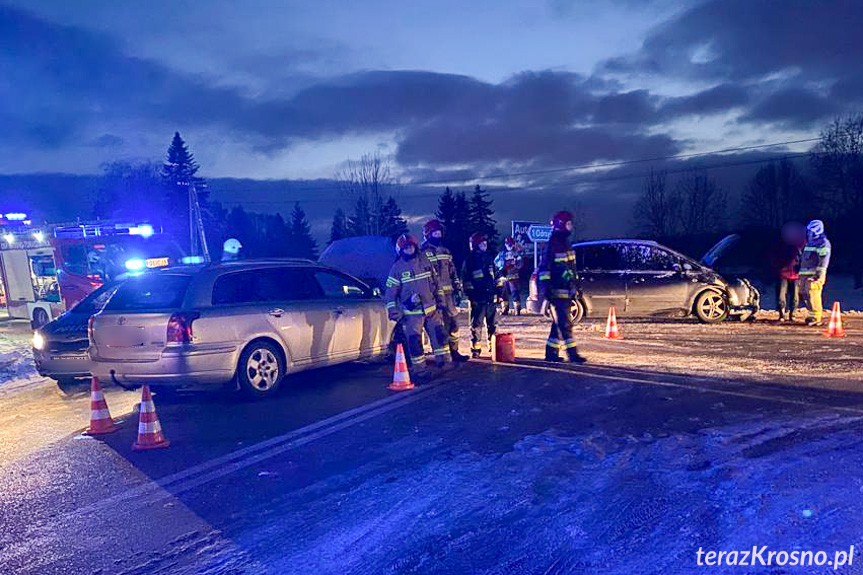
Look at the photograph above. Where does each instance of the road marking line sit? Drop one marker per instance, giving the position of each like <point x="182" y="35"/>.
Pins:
<point x="857" y="411"/>
<point x="246" y="456"/>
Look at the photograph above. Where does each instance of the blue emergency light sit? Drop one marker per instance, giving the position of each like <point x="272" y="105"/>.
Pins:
<point x="134" y="265"/>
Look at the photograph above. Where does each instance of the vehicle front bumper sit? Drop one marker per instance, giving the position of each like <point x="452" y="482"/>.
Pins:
<point x="187" y="365"/>
<point x="62" y="365"/>
<point x="743" y="297"/>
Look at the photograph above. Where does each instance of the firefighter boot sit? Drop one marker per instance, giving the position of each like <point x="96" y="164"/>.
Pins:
<point x="457" y="357"/>
<point x="574" y="356"/>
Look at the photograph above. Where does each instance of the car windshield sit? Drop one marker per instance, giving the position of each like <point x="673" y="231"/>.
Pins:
<point x="94" y="302"/>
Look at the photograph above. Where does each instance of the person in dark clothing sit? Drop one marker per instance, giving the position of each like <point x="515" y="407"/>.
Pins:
<point x="556" y="279"/>
<point x="479" y="286"/>
<point x="786" y="266"/>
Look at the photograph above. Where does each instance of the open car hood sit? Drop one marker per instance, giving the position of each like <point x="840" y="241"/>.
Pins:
<point x="712" y="256"/>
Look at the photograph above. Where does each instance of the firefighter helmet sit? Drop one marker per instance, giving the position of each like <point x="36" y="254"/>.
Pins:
<point x="476" y="239"/>
<point x="431" y="227"/>
<point x="509" y="243"/>
<point x="232" y="246"/>
<point x="560" y="220"/>
<point x="404" y="241"/>
<point x="815" y="228"/>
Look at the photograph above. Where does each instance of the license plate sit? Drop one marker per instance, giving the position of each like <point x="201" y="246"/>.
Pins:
<point x="70" y="357"/>
<point x="157" y="262"/>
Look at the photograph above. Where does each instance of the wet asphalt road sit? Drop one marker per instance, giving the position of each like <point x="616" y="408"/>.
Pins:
<point x="492" y="469"/>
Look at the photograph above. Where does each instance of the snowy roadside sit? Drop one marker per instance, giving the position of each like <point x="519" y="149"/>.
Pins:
<point x="761" y="351"/>
<point x="17" y="370"/>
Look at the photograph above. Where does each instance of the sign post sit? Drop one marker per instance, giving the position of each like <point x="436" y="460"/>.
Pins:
<point x="538" y="233"/>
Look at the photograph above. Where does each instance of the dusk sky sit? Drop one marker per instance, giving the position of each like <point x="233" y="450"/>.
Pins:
<point x="290" y="89"/>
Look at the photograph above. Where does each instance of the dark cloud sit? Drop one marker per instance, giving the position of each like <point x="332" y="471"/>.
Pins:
<point x="792" y="107"/>
<point x="720" y="98"/>
<point x="635" y="107"/>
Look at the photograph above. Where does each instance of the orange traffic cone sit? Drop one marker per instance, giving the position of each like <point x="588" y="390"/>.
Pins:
<point x="611" y="331"/>
<point x="100" y="417"/>
<point x="835" y="328"/>
<point x="401" y="376"/>
<point x="150" y="434"/>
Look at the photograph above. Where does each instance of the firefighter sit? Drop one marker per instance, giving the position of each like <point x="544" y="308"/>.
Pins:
<point x="479" y="285"/>
<point x="448" y="281"/>
<point x="813" y="269"/>
<point x="510" y="262"/>
<point x="557" y="282"/>
<point x="412" y="298"/>
<point x="231" y="250"/>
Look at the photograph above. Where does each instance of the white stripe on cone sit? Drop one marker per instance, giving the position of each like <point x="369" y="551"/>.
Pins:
<point x="149" y="428"/>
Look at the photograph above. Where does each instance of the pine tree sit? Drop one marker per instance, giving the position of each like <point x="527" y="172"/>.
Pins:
<point x="277" y="237"/>
<point x="446" y="209"/>
<point x="456" y="238"/>
<point x="339" y="229"/>
<point x="482" y="215"/>
<point x="392" y="224"/>
<point x="178" y="172"/>
<point x="303" y="245"/>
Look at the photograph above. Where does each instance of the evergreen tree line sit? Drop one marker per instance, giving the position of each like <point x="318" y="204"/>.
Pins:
<point x="160" y="195"/>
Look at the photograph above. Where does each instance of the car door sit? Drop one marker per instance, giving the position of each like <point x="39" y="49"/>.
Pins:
<point x="360" y="319"/>
<point x="655" y="282"/>
<point x="601" y="277"/>
<point x="289" y="304"/>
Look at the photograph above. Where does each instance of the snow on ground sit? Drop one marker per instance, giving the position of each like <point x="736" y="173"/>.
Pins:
<point x="762" y="351"/>
<point x="16" y="357"/>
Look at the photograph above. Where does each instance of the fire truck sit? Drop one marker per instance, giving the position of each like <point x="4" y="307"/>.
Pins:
<point x="46" y="270"/>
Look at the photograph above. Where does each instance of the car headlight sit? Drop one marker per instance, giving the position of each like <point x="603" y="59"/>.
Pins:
<point x="38" y="341"/>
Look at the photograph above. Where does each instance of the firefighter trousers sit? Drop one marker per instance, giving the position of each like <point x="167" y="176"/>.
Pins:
<point x="450" y="327"/>
<point x="560" y="337"/>
<point x="813" y="298"/>
<point x="413" y="329"/>
<point x="481" y="311"/>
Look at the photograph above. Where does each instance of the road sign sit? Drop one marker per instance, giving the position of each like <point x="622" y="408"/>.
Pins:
<point x="539" y="233"/>
<point x="519" y="232"/>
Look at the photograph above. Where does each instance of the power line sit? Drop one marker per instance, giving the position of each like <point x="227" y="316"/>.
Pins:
<point x="597" y="179"/>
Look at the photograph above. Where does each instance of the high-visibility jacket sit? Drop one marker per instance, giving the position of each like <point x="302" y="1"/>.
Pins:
<point x="815" y="258"/>
<point x="412" y="286"/>
<point x="478" y="276"/>
<point x="441" y="259"/>
<point x="557" y="271"/>
<point x="511" y="262"/>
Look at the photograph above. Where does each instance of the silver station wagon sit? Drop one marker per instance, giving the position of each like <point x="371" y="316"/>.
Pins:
<point x="253" y="322"/>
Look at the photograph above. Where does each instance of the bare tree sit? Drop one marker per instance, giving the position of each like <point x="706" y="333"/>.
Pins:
<point x="656" y="212"/>
<point x="702" y="203"/>
<point x="775" y="195"/>
<point x="369" y="182"/>
<point x="838" y="167"/>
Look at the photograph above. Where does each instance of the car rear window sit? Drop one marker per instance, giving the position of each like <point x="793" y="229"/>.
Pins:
<point x="150" y="293"/>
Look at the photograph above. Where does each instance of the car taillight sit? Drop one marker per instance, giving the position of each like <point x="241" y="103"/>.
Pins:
<point x="180" y="327"/>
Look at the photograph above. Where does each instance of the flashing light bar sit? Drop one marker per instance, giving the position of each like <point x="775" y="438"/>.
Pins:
<point x="191" y="260"/>
<point x="145" y="231"/>
<point x="15" y="217"/>
<point x="134" y="265"/>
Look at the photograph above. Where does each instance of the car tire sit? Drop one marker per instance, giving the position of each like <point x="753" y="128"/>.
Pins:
<point x="711" y="307"/>
<point x="578" y="311"/>
<point x="40" y="318"/>
<point x="70" y="386"/>
<point x="261" y="370"/>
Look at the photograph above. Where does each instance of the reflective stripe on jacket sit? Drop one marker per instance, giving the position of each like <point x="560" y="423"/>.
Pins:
<point x="815" y="258"/>
<point x="411" y="280"/>
<point x="556" y="272"/>
<point x="478" y="275"/>
<point x="441" y="259"/>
